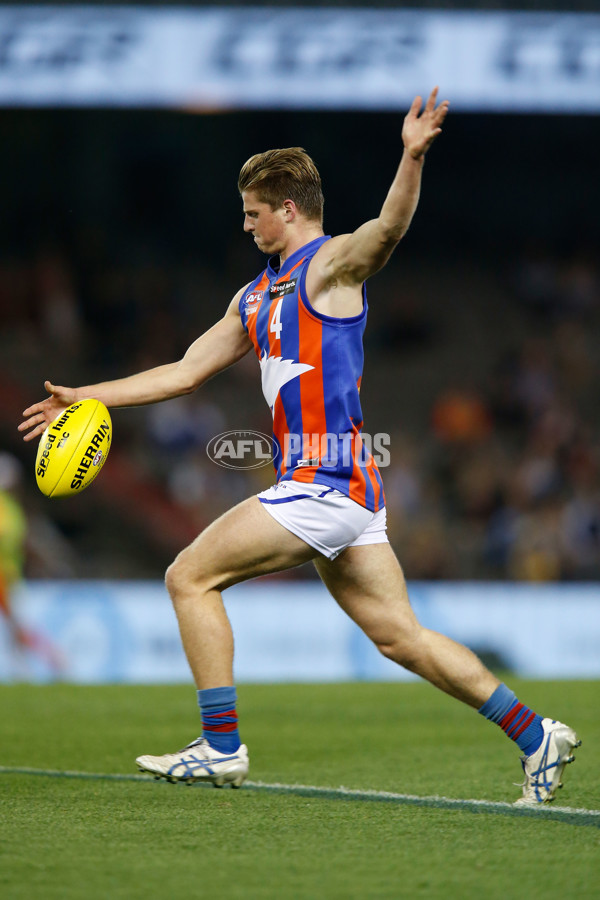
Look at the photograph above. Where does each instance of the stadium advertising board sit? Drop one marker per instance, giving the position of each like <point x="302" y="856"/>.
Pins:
<point x="126" y="631"/>
<point x="243" y="58"/>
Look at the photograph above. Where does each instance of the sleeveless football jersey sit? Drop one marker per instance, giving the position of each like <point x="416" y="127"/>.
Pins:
<point x="311" y="368"/>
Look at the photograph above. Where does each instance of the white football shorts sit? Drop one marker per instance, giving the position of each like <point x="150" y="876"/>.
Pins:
<point x="324" y="517"/>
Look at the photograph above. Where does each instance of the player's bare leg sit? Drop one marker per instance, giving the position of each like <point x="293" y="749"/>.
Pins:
<point x="243" y="543"/>
<point x="368" y="583"/>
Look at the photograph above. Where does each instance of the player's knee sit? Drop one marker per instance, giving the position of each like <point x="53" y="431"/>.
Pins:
<point x="173" y="580"/>
<point x="179" y="578"/>
<point x="187" y="575"/>
<point x="404" y="650"/>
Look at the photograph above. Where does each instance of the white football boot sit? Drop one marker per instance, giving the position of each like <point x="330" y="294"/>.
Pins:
<point x="543" y="769"/>
<point x="199" y="762"/>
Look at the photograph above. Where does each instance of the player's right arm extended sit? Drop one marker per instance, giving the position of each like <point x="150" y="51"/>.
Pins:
<point x="217" y="349"/>
<point x="348" y="260"/>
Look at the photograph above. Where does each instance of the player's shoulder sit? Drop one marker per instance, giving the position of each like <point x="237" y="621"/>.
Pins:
<point x="239" y="294"/>
<point x="330" y="247"/>
<point x="234" y="305"/>
<point x="328" y="250"/>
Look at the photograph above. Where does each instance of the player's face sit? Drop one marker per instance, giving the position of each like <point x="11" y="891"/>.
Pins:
<point x="266" y="225"/>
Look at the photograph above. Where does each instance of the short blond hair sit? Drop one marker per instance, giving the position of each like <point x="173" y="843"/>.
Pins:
<point x="289" y="174"/>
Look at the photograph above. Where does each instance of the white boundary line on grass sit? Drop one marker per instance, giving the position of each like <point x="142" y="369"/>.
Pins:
<point x="415" y="799"/>
<point x="342" y="793"/>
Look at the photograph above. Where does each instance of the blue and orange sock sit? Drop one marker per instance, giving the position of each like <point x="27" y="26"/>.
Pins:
<point x="519" y="722"/>
<point x="219" y="718"/>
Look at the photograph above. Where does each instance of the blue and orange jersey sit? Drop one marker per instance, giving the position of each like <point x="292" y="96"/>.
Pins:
<point x="311" y="368"/>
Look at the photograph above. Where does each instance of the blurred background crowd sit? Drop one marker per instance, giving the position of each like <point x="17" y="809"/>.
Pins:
<point x="121" y="241"/>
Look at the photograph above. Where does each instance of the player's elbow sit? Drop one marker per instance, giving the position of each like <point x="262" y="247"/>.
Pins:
<point x="390" y="233"/>
<point x="385" y="241"/>
<point x="186" y="381"/>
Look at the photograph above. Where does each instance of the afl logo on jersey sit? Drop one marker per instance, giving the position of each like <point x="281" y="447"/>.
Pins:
<point x="252" y="302"/>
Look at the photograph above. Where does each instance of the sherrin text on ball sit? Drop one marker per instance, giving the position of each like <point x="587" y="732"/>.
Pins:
<point x="73" y="449"/>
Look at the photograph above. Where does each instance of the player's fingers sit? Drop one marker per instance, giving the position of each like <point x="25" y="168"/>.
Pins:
<point x="52" y="388"/>
<point x="416" y="106"/>
<point x="32" y="410"/>
<point x="33" y="420"/>
<point x="35" y="433"/>
<point x="442" y="110"/>
<point x="430" y="105"/>
<point x="59" y="392"/>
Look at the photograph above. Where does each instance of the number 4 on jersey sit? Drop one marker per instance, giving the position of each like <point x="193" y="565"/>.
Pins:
<point x="276" y="326"/>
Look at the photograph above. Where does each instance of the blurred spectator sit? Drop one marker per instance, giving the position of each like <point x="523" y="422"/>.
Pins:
<point x="580" y="532"/>
<point x="425" y="550"/>
<point x="536" y="554"/>
<point x="460" y="415"/>
<point x="57" y="305"/>
<point x="505" y="406"/>
<point x="535" y="281"/>
<point x="535" y="379"/>
<point x="13" y="543"/>
<point x="403" y="487"/>
<point x="183" y="424"/>
<point x="574" y="356"/>
<point x="578" y="287"/>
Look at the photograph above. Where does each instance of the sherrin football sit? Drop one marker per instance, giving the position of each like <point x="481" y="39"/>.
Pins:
<point x="73" y="449"/>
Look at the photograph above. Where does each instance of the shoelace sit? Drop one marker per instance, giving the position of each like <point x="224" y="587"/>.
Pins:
<point x="538" y="780"/>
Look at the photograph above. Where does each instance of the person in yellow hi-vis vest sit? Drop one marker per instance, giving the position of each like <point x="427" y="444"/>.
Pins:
<point x="13" y="550"/>
<point x="13" y="534"/>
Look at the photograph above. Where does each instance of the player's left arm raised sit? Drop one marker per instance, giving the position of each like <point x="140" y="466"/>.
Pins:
<point x="355" y="257"/>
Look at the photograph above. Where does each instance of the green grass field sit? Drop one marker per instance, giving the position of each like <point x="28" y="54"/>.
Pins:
<point x="76" y="837"/>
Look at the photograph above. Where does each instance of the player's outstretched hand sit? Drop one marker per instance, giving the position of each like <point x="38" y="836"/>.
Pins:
<point x="39" y="416"/>
<point x="420" y="131"/>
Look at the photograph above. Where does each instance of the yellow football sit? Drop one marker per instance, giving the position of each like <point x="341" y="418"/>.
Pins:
<point x="73" y="449"/>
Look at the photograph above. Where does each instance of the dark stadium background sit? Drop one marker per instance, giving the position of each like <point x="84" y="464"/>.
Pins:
<point x="121" y="240"/>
